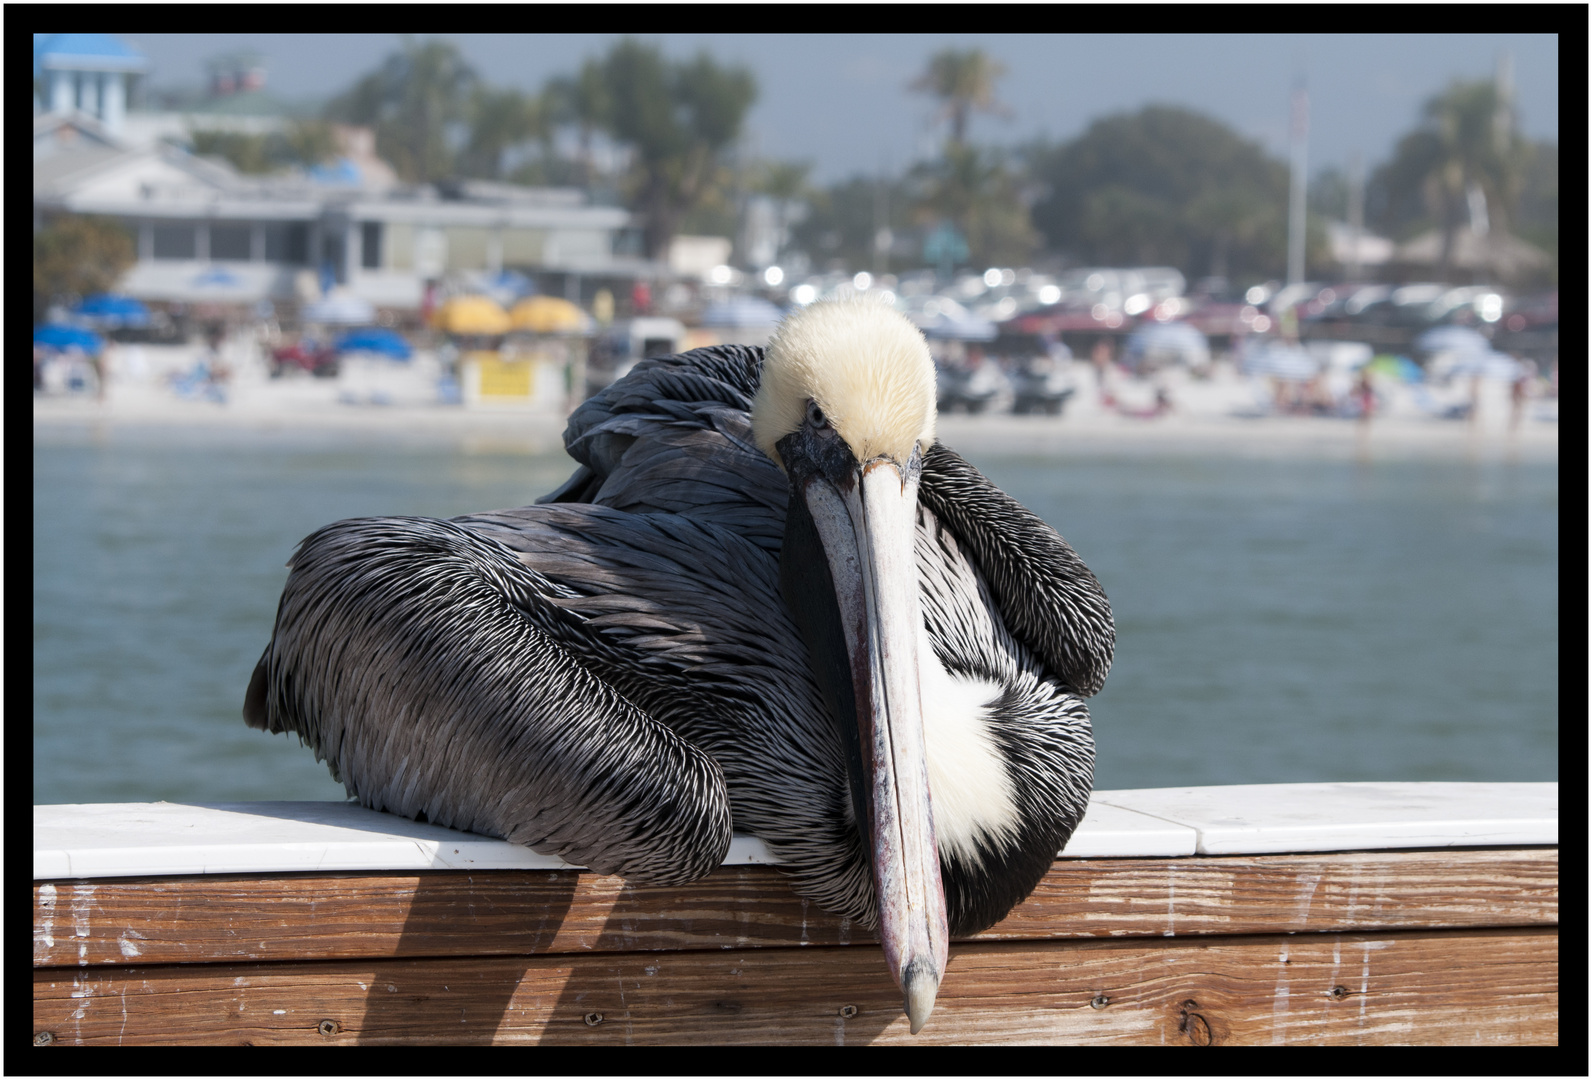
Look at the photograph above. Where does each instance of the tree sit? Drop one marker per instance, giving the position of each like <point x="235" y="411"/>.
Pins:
<point x="975" y="191"/>
<point x="1464" y="147"/>
<point x="414" y="100"/>
<point x="680" y="119"/>
<point x="964" y="81"/>
<point x="1169" y="186"/>
<point x="76" y="256"/>
<point x="843" y="219"/>
<point x="305" y="143"/>
<point x="584" y="102"/>
<point x="1537" y="215"/>
<point x="499" y="119"/>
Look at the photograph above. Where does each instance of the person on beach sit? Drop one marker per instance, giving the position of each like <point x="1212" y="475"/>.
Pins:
<point x="1519" y="390"/>
<point x="1365" y="396"/>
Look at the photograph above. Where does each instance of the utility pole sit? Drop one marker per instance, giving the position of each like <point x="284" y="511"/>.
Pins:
<point x="1300" y="130"/>
<point x="881" y="223"/>
<point x="1356" y="213"/>
<point x="1503" y="100"/>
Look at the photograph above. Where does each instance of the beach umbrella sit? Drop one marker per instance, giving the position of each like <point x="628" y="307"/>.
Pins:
<point x="1280" y="361"/>
<point x="375" y="339"/>
<point x="61" y="336"/>
<point x="341" y="310"/>
<point x="1340" y="355"/>
<point x="548" y="315"/>
<point x="1459" y="339"/>
<point x="471" y="315"/>
<point x="742" y="311"/>
<point x="1488" y="365"/>
<point x="105" y="309"/>
<point x="1397" y="367"/>
<point x="1167" y="343"/>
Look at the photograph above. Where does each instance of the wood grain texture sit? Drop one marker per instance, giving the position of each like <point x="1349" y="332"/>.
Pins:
<point x="1457" y="987"/>
<point x="507" y="912"/>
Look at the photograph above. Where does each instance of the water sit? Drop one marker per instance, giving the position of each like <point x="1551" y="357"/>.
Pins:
<point x="1277" y="621"/>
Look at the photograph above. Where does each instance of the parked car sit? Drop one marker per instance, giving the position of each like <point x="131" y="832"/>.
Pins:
<point x="305" y="355"/>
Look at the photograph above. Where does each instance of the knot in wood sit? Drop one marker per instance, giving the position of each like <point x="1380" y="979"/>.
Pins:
<point x="43" y="1038"/>
<point x="593" y="1019"/>
<point x="848" y="1011"/>
<point x="1338" y="993"/>
<point x="327" y="1027"/>
<point x="1099" y="1001"/>
<point x="1195" y="1027"/>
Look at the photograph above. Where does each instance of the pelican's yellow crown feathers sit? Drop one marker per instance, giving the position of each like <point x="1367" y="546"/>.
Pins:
<point x="860" y="361"/>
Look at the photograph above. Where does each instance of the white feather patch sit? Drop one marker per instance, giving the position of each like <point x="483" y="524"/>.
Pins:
<point x="969" y="785"/>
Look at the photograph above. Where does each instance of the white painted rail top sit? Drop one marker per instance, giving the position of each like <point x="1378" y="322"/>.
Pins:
<point x="91" y="840"/>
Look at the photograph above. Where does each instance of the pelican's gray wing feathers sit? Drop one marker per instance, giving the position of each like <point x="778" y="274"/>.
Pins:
<point x="422" y="662"/>
<point x="697" y="634"/>
<point x="1048" y="597"/>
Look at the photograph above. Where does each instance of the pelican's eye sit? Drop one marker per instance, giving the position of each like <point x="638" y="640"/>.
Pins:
<point x="815" y="416"/>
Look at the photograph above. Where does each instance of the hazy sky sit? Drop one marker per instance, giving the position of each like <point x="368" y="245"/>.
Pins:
<point x="841" y="101"/>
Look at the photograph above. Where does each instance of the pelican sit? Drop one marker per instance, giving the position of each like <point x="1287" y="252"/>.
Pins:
<point x="768" y="600"/>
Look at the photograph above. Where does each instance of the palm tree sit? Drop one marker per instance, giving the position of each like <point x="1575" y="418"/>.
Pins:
<point x="1471" y="152"/>
<point x="963" y="81"/>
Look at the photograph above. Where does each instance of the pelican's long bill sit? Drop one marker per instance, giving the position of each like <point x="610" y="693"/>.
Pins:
<point x="865" y="526"/>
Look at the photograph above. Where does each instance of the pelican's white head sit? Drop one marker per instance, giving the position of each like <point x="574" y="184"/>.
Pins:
<point x="863" y="364"/>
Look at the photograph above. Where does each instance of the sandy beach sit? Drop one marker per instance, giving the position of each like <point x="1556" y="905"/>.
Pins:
<point x="1207" y="418"/>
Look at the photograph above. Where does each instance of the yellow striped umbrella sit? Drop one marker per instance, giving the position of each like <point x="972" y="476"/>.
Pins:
<point x="471" y="315"/>
<point x="548" y="315"/>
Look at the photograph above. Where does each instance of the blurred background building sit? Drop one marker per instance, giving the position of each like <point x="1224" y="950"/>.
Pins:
<point x="421" y="181"/>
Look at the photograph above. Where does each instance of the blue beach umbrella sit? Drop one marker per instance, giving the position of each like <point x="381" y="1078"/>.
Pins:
<point x="105" y="309"/>
<point x="375" y="339"/>
<point x="61" y="336"/>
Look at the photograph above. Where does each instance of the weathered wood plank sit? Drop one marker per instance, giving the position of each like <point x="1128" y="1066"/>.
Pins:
<point x="509" y="912"/>
<point x="1458" y="987"/>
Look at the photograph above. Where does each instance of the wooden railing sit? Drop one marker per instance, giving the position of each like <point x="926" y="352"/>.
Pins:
<point x="1356" y="913"/>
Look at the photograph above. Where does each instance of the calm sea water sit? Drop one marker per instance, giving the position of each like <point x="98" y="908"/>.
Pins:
<point x="1277" y="621"/>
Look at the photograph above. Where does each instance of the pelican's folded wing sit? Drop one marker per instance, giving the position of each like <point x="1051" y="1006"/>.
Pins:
<point x="1047" y="596"/>
<point x="422" y="662"/>
<point x="674" y="436"/>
